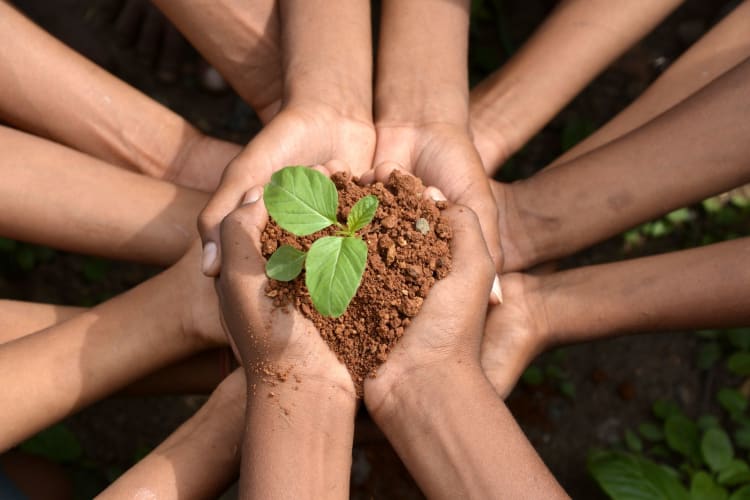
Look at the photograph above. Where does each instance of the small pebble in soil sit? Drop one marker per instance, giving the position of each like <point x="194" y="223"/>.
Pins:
<point x="422" y="225"/>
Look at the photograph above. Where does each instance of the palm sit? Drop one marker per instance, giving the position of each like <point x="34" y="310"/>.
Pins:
<point x="443" y="156"/>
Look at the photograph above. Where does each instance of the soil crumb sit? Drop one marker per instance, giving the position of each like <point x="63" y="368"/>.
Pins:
<point x="408" y="244"/>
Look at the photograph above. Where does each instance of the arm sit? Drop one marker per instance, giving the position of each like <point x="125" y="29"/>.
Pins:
<point x="298" y="428"/>
<point x="70" y="365"/>
<point x="50" y="90"/>
<point x="721" y="49"/>
<point x="699" y="288"/>
<point x="199" y="459"/>
<point x="241" y="40"/>
<point x="421" y="103"/>
<point x="577" y="41"/>
<point x="435" y="405"/>
<point x="693" y="151"/>
<point x="327" y="107"/>
<point x="146" y="220"/>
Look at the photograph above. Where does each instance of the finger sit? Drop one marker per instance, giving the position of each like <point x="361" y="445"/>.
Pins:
<point x="382" y="171"/>
<point x="226" y="198"/>
<point x="478" y="196"/>
<point x="434" y="194"/>
<point x="334" y="166"/>
<point x="472" y="271"/>
<point x="240" y="236"/>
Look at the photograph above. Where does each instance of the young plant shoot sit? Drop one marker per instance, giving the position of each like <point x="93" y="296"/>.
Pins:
<point x="303" y="201"/>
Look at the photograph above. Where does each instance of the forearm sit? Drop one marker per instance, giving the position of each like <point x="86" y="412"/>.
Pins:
<point x="199" y="459"/>
<point x="327" y="55"/>
<point x="577" y="41"/>
<point x="298" y="439"/>
<point x="22" y="318"/>
<point x="722" y="48"/>
<point x="422" y="73"/>
<point x="474" y="449"/>
<point x="50" y="90"/>
<point x="89" y="206"/>
<point x="693" y="151"/>
<point x="72" y="364"/>
<point x="241" y="40"/>
<point x="704" y="287"/>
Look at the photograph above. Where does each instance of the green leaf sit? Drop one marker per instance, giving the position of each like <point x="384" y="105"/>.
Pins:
<point x="712" y="205"/>
<point x="735" y="473"/>
<point x="301" y="200"/>
<point x="334" y="271"/>
<point x="362" y="213"/>
<point x="739" y="338"/>
<point x="627" y="477"/>
<point x="739" y="363"/>
<point x="679" y="216"/>
<point x="708" y="355"/>
<point x="633" y="442"/>
<point x="703" y="487"/>
<point x="742" y="438"/>
<point x="533" y="375"/>
<point x="741" y="494"/>
<point x="7" y="245"/>
<point x="706" y="422"/>
<point x="94" y="270"/>
<point x="664" y="409"/>
<point x="55" y="443"/>
<point x="285" y="264"/>
<point x="732" y="401"/>
<point x="682" y="437"/>
<point x="651" y="432"/>
<point x="716" y="449"/>
<point x="568" y="389"/>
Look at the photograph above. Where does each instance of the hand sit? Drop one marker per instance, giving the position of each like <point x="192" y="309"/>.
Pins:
<point x="448" y="329"/>
<point x="443" y="156"/>
<point x="201" y="161"/>
<point x="514" y="333"/>
<point x="306" y="134"/>
<point x="267" y="337"/>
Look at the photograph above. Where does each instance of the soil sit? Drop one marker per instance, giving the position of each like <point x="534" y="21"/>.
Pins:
<point x="407" y="251"/>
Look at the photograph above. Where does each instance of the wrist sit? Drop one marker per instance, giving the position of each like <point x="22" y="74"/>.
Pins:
<point x="390" y="396"/>
<point x="405" y="101"/>
<point x="339" y="96"/>
<point x="293" y="380"/>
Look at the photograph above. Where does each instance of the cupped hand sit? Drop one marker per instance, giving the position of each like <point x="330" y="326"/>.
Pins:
<point x="304" y="134"/>
<point x="448" y="329"/>
<point x="266" y="337"/>
<point x="442" y="155"/>
<point x="515" y="332"/>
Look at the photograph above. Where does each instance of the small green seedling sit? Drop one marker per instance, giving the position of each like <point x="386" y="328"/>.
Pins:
<point x="302" y="201"/>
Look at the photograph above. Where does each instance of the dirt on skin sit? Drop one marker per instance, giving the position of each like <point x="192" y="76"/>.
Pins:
<point x="408" y="245"/>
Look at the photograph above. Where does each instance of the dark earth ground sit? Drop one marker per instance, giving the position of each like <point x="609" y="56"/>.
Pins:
<point x="614" y="381"/>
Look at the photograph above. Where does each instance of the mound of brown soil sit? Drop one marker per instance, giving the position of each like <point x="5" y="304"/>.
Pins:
<point x="408" y="249"/>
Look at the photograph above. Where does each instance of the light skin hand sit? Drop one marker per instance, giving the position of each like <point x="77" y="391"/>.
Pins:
<point x="299" y="422"/>
<point x="475" y="448"/>
<point x="421" y="105"/>
<point x="327" y="113"/>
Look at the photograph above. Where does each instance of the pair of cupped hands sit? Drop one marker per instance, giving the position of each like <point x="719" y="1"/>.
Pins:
<point x="453" y="325"/>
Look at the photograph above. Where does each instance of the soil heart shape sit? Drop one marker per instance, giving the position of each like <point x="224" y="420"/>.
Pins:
<point x="408" y="249"/>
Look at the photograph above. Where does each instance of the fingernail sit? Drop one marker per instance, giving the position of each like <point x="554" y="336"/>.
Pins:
<point x="252" y="195"/>
<point x="209" y="257"/>
<point x="437" y="195"/>
<point x="497" y="291"/>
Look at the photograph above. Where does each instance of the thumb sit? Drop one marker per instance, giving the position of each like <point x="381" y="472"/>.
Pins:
<point x="240" y="233"/>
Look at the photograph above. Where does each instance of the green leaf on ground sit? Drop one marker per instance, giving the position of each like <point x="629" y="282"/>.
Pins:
<point x="739" y="363"/>
<point x="732" y="401"/>
<point x="664" y="409"/>
<point x="301" y="200"/>
<point x="735" y="473"/>
<point x="651" y="432"/>
<point x="716" y="449"/>
<point x="533" y="375"/>
<point x="362" y="213"/>
<point x="708" y="354"/>
<point x="706" y="422"/>
<point x="742" y="438"/>
<point x="741" y="494"/>
<point x="682" y="436"/>
<point x="627" y="477"/>
<point x="285" y="264"/>
<point x="633" y="442"/>
<point x="334" y="271"/>
<point x="703" y="487"/>
<point x="739" y="338"/>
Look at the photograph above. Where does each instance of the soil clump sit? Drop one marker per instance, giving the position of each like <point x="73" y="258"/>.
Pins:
<point x="408" y="245"/>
